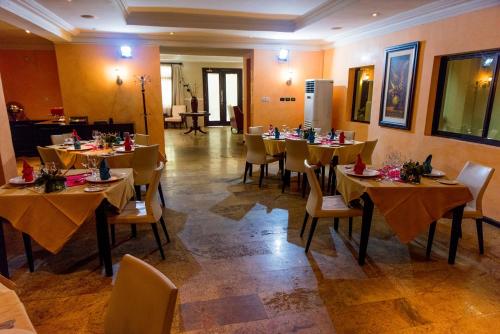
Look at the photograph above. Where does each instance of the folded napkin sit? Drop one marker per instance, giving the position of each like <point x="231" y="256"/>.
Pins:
<point x="75" y="135"/>
<point x="332" y="134"/>
<point x="76" y="180"/>
<point x="104" y="170"/>
<point x="427" y="165"/>
<point x="27" y="172"/>
<point x="342" y="138"/>
<point x="359" y="166"/>
<point x="128" y="143"/>
<point x="276" y="133"/>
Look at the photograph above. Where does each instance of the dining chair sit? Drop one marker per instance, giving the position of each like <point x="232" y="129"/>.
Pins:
<point x="59" y="139"/>
<point x="349" y="135"/>
<point x="255" y="130"/>
<point x="367" y="151"/>
<point x="48" y="154"/>
<point x="476" y="177"/>
<point x="142" y="300"/>
<point x="296" y="152"/>
<point x="144" y="212"/>
<point x="176" y="117"/>
<point x="344" y="155"/>
<point x="141" y="139"/>
<point x="256" y="154"/>
<point x="319" y="206"/>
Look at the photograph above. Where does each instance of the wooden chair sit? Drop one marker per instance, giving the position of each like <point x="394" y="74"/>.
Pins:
<point x="176" y="118"/>
<point x="476" y="177"/>
<point x="144" y="212"/>
<point x="48" y="154"/>
<point x="367" y="151"/>
<point x="349" y="135"/>
<point x="141" y="139"/>
<point x="319" y="206"/>
<point x="296" y="152"/>
<point x="345" y="155"/>
<point x="59" y="139"/>
<point x="256" y="130"/>
<point x="256" y="154"/>
<point x="142" y="300"/>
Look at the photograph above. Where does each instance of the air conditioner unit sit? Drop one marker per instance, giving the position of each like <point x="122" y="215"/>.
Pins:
<point x="318" y="104"/>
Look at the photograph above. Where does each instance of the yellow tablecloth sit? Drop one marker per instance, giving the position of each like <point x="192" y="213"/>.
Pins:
<point x="11" y="308"/>
<point x="51" y="219"/>
<point x="318" y="154"/>
<point x="408" y="208"/>
<point x="76" y="158"/>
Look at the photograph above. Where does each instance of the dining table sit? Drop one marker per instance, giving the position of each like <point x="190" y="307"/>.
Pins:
<point x="51" y="219"/>
<point x="408" y="208"/>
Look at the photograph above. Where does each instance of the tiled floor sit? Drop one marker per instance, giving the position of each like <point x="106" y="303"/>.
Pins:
<point x="240" y="266"/>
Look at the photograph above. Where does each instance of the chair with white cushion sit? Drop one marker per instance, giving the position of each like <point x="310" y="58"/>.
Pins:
<point x="145" y="212"/>
<point x="48" y="154"/>
<point x="60" y="139"/>
<point x="367" y="151"/>
<point x="319" y="206"/>
<point x="141" y="139"/>
<point x="176" y="118"/>
<point x="349" y="135"/>
<point x="256" y="154"/>
<point x="296" y="152"/>
<point x="476" y="177"/>
<point x="142" y="301"/>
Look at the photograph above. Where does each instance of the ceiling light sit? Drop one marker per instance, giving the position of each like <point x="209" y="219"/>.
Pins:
<point x="171" y="33"/>
<point x="27" y="31"/>
<point x="126" y="51"/>
<point x="487" y="62"/>
<point x="375" y="14"/>
<point x="87" y="16"/>
<point x="336" y="28"/>
<point x="283" y="55"/>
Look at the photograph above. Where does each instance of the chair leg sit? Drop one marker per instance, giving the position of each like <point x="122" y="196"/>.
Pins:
<point x="250" y="170"/>
<point x="430" y="239"/>
<point x="304" y="184"/>
<point x="113" y="234"/>
<point x="261" y="175"/>
<point x="306" y="217"/>
<point x="133" y="230"/>
<point x="137" y="193"/>
<point x="164" y="227"/>
<point x="29" y="252"/>
<point x="336" y="224"/>
<point x="286" y="179"/>
<point x="350" y="227"/>
<point x="158" y="240"/>
<point x="162" y="198"/>
<point x="322" y="177"/>
<point x="267" y="170"/>
<point x="247" y="167"/>
<point x="284" y="182"/>
<point x="311" y="232"/>
<point x="479" y="227"/>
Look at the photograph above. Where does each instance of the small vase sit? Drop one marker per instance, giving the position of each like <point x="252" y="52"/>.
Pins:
<point x="194" y="104"/>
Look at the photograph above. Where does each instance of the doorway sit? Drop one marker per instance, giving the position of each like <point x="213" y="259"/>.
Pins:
<point x="222" y="87"/>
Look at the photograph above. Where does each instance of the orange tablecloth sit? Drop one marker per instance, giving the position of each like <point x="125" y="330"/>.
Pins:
<point x="51" y="219"/>
<point x="408" y="208"/>
<point x="76" y="158"/>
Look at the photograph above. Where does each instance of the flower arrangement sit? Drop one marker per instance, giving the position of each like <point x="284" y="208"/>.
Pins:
<point x="110" y="138"/>
<point x="51" y="179"/>
<point x="191" y="89"/>
<point x="411" y="171"/>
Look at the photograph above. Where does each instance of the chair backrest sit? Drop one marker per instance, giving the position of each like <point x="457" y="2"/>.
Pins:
<point x="238" y="114"/>
<point x="315" y="199"/>
<point x="59" y="139"/>
<point x="48" y="154"/>
<point x="256" y="150"/>
<point x="144" y="162"/>
<point x="367" y="151"/>
<point x="230" y="111"/>
<point x="296" y="152"/>
<point x="177" y="109"/>
<point x="476" y="177"/>
<point x="255" y="130"/>
<point x="348" y="154"/>
<point x="141" y="139"/>
<point x="142" y="300"/>
<point x="153" y="207"/>
<point x="349" y="135"/>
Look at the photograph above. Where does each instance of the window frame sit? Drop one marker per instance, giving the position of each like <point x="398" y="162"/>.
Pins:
<point x="495" y="53"/>
<point x="357" y="70"/>
<point x="172" y="84"/>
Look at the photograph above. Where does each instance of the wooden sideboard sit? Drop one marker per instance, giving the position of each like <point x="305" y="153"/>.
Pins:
<point x="27" y="135"/>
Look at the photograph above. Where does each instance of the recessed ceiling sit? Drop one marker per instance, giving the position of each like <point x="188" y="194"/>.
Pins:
<point x="11" y="36"/>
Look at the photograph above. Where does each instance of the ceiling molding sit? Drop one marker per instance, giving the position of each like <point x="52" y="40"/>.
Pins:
<point x="29" y="14"/>
<point x="123" y="5"/>
<point x="320" y="12"/>
<point x="431" y="12"/>
<point x="164" y="57"/>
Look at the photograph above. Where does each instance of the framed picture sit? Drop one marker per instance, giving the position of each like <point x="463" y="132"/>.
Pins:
<point x="398" y="86"/>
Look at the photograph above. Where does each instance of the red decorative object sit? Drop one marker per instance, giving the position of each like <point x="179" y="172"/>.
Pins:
<point x="342" y="138"/>
<point x="128" y="143"/>
<point x="360" y="166"/>
<point x="27" y="172"/>
<point x="75" y="135"/>
<point x="57" y="111"/>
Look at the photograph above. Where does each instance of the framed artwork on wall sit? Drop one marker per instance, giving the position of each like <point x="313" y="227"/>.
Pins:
<point x="398" y="86"/>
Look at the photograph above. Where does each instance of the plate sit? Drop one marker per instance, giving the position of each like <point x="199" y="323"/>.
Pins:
<point x="79" y="149"/>
<point x="18" y="180"/>
<point x="366" y="173"/>
<point x="122" y="149"/>
<point x="448" y="182"/>
<point x="436" y="173"/>
<point x="92" y="189"/>
<point x="97" y="179"/>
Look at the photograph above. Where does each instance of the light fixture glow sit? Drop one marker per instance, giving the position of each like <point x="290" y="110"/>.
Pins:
<point x="171" y="33"/>
<point x="283" y="55"/>
<point x="487" y="62"/>
<point x="375" y="14"/>
<point x="27" y="31"/>
<point x="126" y="51"/>
<point x="119" y="80"/>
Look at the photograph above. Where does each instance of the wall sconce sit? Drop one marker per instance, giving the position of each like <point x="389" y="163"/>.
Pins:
<point x="289" y="80"/>
<point x="484" y="83"/>
<point x="126" y="51"/>
<point x="119" y="80"/>
<point x="283" y="55"/>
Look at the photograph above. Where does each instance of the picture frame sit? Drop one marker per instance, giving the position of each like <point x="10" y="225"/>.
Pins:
<point x="398" y="87"/>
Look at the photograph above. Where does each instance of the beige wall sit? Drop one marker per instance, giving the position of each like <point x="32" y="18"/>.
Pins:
<point x="7" y="157"/>
<point x="88" y="85"/>
<point x="473" y="31"/>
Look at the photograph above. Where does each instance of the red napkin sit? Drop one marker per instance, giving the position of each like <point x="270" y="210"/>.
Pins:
<point x="359" y="166"/>
<point x="75" y="135"/>
<point x="342" y="138"/>
<point x="128" y="144"/>
<point x="27" y="172"/>
<point x="76" y="180"/>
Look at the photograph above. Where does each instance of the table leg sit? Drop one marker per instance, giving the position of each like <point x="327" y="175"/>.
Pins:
<point x="365" y="227"/>
<point x="103" y="237"/>
<point x="456" y="227"/>
<point x="4" y="264"/>
<point x="190" y="130"/>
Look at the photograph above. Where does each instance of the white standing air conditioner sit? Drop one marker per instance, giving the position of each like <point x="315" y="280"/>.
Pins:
<point x="318" y="104"/>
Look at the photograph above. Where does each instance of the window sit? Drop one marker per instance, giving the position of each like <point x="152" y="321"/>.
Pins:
<point x="362" y="94"/>
<point x="166" y="87"/>
<point x="468" y="98"/>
